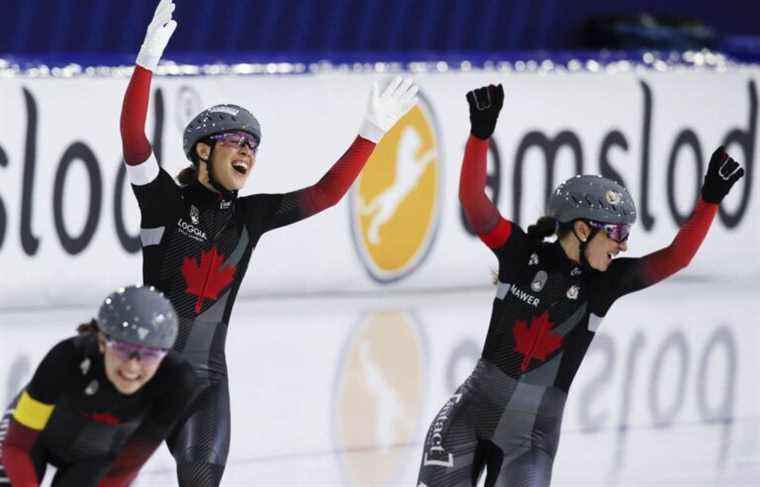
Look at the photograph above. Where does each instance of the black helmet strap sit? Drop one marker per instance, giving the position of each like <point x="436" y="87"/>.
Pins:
<point x="224" y="192"/>
<point x="582" y="247"/>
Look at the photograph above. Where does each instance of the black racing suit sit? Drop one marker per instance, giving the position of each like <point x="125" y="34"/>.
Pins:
<point x="196" y="249"/>
<point x="506" y="416"/>
<point x="71" y="416"/>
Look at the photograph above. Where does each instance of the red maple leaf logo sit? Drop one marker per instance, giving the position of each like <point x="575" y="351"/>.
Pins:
<point x="536" y="341"/>
<point x="207" y="279"/>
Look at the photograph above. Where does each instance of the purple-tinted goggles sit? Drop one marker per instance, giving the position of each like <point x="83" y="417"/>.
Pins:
<point x="618" y="232"/>
<point x="125" y="351"/>
<point x="237" y="139"/>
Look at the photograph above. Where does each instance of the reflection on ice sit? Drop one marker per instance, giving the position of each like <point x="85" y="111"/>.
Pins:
<point x="340" y="391"/>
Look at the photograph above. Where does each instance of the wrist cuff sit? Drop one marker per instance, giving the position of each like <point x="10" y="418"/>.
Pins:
<point x="370" y="131"/>
<point x="147" y="61"/>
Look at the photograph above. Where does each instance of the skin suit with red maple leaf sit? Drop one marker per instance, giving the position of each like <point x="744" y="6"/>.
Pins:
<point x="551" y="297"/>
<point x="198" y="236"/>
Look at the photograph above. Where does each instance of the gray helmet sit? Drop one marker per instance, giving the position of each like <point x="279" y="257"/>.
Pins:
<point x="140" y="315"/>
<point x="217" y="119"/>
<point x="592" y="197"/>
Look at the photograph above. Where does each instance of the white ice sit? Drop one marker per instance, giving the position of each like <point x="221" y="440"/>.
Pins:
<point x="339" y="391"/>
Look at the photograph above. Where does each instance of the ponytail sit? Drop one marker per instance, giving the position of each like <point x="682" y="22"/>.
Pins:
<point x="545" y="227"/>
<point x="90" y="327"/>
<point x="187" y="176"/>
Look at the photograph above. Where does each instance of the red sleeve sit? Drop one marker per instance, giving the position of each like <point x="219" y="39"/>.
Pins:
<point x="134" y="112"/>
<point x="16" y="460"/>
<point x="627" y="275"/>
<point x="330" y="189"/>
<point x="482" y="215"/>
<point x="669" y="260"/>
<point x="270" y="211"/>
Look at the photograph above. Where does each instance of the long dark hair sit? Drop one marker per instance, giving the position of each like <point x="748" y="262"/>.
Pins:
<point x="189" y="174"/>
<point x="544" y="228"/>
<point x="547" y="226"/>
<point x="89" y="327"/>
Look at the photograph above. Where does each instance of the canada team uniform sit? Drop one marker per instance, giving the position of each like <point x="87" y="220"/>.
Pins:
<point x="72" y="417"/>
<point x="507" y="415"/>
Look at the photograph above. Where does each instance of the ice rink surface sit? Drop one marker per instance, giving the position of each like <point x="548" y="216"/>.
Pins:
<point x="339" y="391"/>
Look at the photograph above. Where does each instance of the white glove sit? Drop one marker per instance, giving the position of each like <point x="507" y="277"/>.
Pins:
<point x="386" y="109"/>
<point x="159" y="32"/>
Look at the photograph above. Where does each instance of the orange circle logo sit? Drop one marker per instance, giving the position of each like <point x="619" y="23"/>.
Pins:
<point x="379" y="398"/>
<point x="395" y="204"/>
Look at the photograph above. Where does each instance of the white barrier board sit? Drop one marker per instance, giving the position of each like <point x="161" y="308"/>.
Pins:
<point x="69" y="223"/>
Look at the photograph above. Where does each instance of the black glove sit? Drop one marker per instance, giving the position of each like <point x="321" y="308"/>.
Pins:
<point x="722" y="173"/>
<point x="485" y="105"/>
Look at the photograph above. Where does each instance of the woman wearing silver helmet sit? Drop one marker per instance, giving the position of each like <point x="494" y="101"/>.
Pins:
<point x="198" y="237"/>
<point x="99" y="403"/>
<point x="551" y="297"/>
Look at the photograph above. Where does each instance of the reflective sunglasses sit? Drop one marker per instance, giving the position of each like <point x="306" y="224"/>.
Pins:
<point x="618" y="232"/>
<point x="125" y="351"/>
<point x="236" y="139"/>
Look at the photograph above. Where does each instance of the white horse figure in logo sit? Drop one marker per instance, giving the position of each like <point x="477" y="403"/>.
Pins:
<point x="409" y="169"/>
<point x="390" y="409"/>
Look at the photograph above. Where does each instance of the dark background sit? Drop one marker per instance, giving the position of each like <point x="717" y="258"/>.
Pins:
<point x="368" y="29"/>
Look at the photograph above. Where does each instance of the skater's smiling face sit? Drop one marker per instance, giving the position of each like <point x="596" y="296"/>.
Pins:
<point x="601" y="247"/>
<point x="129" y="367"/>
<point x="233" y="156"/>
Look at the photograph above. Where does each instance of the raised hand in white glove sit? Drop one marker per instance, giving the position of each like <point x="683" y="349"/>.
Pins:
<point x="159" y="32"/>
<point x="386" y="109"/>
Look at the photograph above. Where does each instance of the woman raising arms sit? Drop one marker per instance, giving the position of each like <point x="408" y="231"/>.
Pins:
<point x="198" y="236"/>
<point x="550" y="300"/>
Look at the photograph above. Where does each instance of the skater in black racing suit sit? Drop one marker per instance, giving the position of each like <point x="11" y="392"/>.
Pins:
<point x="198" y="236"/>
<point x="550" y="300"/>
<point x="100" y="403"/>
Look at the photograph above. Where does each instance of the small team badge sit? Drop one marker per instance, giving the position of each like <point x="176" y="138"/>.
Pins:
<point x="533" y="259"/>
<point x="613" y="197"/>
<point x="572" y="293"/>
<point x="92" y="388"/>
<point x="539" y="281"/>
<point x="575" y="272"/>
<point x="85" y="366"/>
<point x="195" y="215"/>
<point x="225" y="204"/>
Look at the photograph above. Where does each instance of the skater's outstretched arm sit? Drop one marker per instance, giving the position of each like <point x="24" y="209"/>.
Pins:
<point x="386" y="107"/>
<point x="134" y="111"/>
<point x="154" y="188"/>
<point x="482" y="215"/>
<point x="633" y="274"/>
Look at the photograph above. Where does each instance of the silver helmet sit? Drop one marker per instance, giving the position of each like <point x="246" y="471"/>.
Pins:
<point x="141" y="315"/>
<point x="218" y="119"/>
<point x="591" y="197"/>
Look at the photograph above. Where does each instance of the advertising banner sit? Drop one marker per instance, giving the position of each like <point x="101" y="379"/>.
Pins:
<point x="69" y="224"/>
